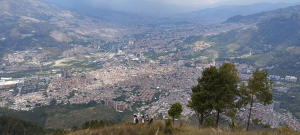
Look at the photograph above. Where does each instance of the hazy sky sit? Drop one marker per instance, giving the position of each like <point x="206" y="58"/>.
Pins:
<point x="161" y="6"/>
<point x="199" y="3"/>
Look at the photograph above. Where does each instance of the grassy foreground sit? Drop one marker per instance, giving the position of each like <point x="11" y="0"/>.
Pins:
<point x="159" y="128"/>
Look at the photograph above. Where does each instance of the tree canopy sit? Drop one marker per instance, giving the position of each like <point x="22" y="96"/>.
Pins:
<point x="217" y="90"/>
<point x="175" y="111"/>
<point x="258" y="87"/>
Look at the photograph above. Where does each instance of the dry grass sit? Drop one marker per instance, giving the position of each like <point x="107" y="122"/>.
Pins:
<point x="158" y="128"/>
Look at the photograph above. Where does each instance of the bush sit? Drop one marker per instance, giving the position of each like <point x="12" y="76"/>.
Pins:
<point x="168" y="126"/>
<point x="209" y="122"/>
<point x="284" y="129"/>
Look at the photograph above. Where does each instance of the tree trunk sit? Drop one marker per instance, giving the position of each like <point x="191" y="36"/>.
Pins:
<point x="173" y="119"/>
<point x="218" y="118"/>
<point x="201" y="119"/>
<point x="249" y="116"/>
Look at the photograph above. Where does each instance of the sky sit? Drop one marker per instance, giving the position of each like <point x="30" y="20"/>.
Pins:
<point x="162" y="6"/>
<point x="198" y="3"/>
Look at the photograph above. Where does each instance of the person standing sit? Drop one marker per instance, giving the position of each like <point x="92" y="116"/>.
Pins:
<point x="147" y="118"/>
<point x="143" y="120"/>
<point x="135" y="119"/>
<point x="151" y="120"/>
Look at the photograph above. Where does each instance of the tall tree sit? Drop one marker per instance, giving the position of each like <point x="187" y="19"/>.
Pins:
<point x="226" y="91"/>
<point x="217" y="90"/>
<point x="201" y="99"/>
<point x="258" y="87"/>
<point x="175" y="111"/>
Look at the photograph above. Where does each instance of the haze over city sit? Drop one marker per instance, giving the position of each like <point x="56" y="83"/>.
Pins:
<point x="161" y="6"/>
<point x="73" y="61"/>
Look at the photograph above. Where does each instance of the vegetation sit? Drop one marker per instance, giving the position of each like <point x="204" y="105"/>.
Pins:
<point x="165" y="128"/>
<point x="260" y="87"/>
<point x="175" y="111"/>
<point x="217" y="90"/>
<point x="67" y="115"/>
<point x="259" y="17"/>
<point x="15" y="126"/>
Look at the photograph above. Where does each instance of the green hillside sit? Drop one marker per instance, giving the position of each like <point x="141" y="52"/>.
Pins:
<point x="26" y="25"/>
<point x="66" y="116"/>
<point x="273" y="43"/>
<point x="15" y="126"/>
<point x="263" y="16"/>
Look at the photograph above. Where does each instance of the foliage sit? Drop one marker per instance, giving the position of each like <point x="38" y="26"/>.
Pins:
<point x="15" y="126"/>
<point x="74" y="128"/>
<point x="216" y="89"/>
<point x="175" y="111"/>
<point x="53" y="102"/>
<point x="209" y="122"/>
<point x="284" y="129"/>
<point x="263" y="16"/>
<point x="256" y="121"/>
<point x="68" y="115"/>
<point x="226" y="91"/>
<point x="266" y="126"/>
<point x="85" y="125"/>
<point x="157" y="128"/>
<point x="168" y="126"/>
<point x="258" y="86"/>
<point x="61" y="132"/>
<point x="234" y="125"/>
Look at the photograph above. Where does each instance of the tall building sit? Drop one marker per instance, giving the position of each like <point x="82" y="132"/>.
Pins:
<point x="69" y="74"/>
<point x="147" y="61"/>
<point x="64" y="74"/>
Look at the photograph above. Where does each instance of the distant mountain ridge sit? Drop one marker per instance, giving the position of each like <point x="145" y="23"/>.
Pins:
<point x="263" y="16"/>
<point x="224" y="12"/>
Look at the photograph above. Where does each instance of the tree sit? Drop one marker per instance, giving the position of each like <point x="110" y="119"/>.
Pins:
<point x="201" y="103"/>
<point x="202" y="99"/>
<point x="53" y="102"/>
<point x="217" y="89"/>
<point x="175" y="111"/>
<point x="226" y="91"/>
<point x="209" y="122"/>
<point x="258" y="86"/>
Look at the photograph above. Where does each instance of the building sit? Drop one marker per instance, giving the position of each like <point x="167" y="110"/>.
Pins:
<point x="147" y="61"/>
<point x="68" y="74"/>
<point x="80" y="56"/>
<point x="180" y="63"/>
<point x="117" y="105"/>
<point x="84" y="76"/>
<point x="8" y="84"/>
<point x="6" y="62"/>
<point x="34" y="79"/>
<point x="64" y="74"/>
<point x="276" y="105"/>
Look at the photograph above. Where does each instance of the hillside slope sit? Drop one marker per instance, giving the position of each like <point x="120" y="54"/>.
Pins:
<point x="160" y="128"/>
<point x="15" y="126"/>
<point x="224" y="12"/>
<point x="263" y="16"/>
<point x="273" y="43"/>
<point x="25" y="25"/>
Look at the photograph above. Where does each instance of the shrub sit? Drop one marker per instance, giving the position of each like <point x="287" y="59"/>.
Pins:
<point x="168" y="126"/>
<point x="209" y="122"/>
